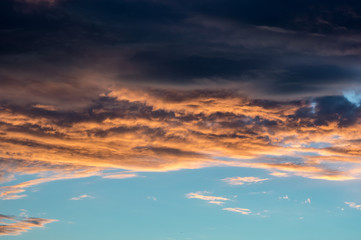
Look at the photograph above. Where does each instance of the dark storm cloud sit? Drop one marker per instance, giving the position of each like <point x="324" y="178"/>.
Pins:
<point x="329" y="109"/>
<point x="278" y="47"/>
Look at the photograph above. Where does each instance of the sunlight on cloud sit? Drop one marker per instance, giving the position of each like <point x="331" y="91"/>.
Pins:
<point x="15" y="226"/>
<point x="243" y="211"/>
<point x="353" y="205"/>
<point x="81" y="197"/>
<point x="121" y="175"/>
<point x="211" y="199"/>
<point x="160" y="130"/>
<point x="243" y="180"/>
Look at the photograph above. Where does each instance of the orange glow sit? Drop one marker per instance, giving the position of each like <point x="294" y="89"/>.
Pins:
<point x="166" y="130"/>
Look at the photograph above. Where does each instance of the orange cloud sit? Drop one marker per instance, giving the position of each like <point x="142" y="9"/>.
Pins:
<point x="17" y="226"/>
<point x="158" y="130"/>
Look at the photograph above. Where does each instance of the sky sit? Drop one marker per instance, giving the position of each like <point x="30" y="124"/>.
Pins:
<point x="180" y="120"/>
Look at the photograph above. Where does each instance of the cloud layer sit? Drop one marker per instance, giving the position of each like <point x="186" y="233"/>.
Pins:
<point x="158" y="129"/>
<point x="105" y="85"/>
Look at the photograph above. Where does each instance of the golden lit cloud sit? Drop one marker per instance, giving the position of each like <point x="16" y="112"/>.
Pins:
<point x="159" y="130"/>
<point x="16" y="226"/>
<point x="243" y="211"/>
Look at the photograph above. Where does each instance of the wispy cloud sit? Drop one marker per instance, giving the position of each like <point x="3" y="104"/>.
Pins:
<point x="81" y="197"/>
<point x="279" y="174"/>
<point x="243" y="180"/>
<point x="211" y="199"/>
<point x="354" y="205"/>
<point x="15" y="226"/>
<point x="243" y="211"/>
<point x="11" y="192"/>
<point x="121" y="175"/>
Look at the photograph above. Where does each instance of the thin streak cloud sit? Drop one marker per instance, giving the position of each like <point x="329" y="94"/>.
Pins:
<point x="243" y="180"/>
<point x="243" y="211"/>
<point x="211" y="199"/>
<point x="16" y="226"/>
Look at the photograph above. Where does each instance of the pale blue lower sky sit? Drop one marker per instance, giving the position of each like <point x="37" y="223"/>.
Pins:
<point x="154" y="207"/>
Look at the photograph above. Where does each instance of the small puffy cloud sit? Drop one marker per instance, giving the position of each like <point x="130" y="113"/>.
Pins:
<point x="10" y="225"/>
<point x="308" y="201"/>
<point x="81" y="197"/>
<point x="354" y="205"/>
<point x="284" y="197"/>
<point x="211" y="199"/>
<point x="23" y="213"/>
<point x="152" y="198"/>
<point x="243" y="211"/>
<point x="242" y="180"/>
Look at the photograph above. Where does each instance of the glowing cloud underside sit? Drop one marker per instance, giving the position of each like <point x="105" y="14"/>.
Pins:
<point x="162" y="130"/>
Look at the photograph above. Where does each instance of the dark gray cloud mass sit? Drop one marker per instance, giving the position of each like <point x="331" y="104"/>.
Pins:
<point x="273" y="48"/>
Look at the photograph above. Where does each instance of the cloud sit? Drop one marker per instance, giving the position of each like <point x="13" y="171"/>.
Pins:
<point x="353" y="205"/>
<point x="81" y="197"/>
<point x="152" y="198"/>
<point x="11" y="192"/>
<point x="308" y="201"/>
<point x="121" y="175"/>
<point x="166" y="129"/>
<point x="243" y="180"/>
<point x="211" y="199"/>
<point x="284" y="197"/>
<point x="184" y="97"/>
<point x="243" y="211"/>
<point x="16" y="226"/>
<point x="279" y="174"/>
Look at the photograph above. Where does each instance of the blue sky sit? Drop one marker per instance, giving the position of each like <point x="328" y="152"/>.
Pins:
<point x="155" y="206"/>
<point x="203" y="119"/>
